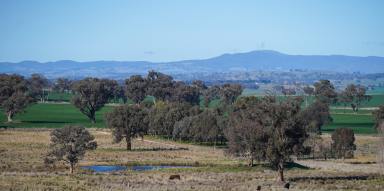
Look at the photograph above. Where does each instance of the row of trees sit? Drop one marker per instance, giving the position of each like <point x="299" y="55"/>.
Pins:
<point x="176" y="111"/>
<point x="353" y="95"/>
<point x="266" y="129"/>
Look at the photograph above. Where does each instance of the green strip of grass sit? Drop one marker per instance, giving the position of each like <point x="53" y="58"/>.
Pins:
<point x="52" y="116"/>
<point x="57" y="115"/>
<point x="361" y="124"/>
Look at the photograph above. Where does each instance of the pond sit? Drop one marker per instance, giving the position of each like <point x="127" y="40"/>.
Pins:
<point x="112" y="168"/>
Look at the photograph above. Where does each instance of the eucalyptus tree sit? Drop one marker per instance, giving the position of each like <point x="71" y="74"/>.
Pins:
<point x="62" y="85"/>
<point x="185" y="93"/>
<point x="229" y="92"/>
<point x="211" y="94"/>
<point x="136" y="88"/>
<point x="91" y="94"/>
<point x="37" y="86"/>
<point x="325" y="92"/>
<point x="127" y="122"/>
<point x="343" y="142"/>
<point x="378" y="115"/>
<point x="14" y="95"/>
<point x="160" y="86"/>
<point x="356" y="95"/>
<point x="273" y="129"/>
<point x="308" y="91"/>
<point x="69" y="144"/>
<point x="317" y="115"/>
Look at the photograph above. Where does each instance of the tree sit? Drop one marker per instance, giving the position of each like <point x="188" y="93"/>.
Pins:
<point x="199" y="85"/>
<point x="91" y="94"/>
<point x="379" y="116"/>
<point x="356" y="95"/>
<point x="380" y="157"/>
<point x="210" y="94"/>
<point x="136" y="88"/>
<point x="206" y="127"/>
<point x="345" y="97"/>
<point x="274" y="129"/>
<point x="245" y="134"/>
<point x="325" y="91"/>
<point x="287" y="133"/>
<point x="69" y="144"/>
<point x="183" y="129"/>
<point x="229" y="92"/>
<point x="14" y="97"/>
<point x="37" y="83"/>
<point x="127" y="121"/>
<point x="316" y="115"/>
<point x="113" y="88"/>
<point x="185" y="93"/>
<point x="343" y="140"/>
<point x="164" y="116"/>
<point x="308" y="91"/>
<point x="62" y="85"/>
<point x="288" y="91"/>
<point x="160" y="86"/>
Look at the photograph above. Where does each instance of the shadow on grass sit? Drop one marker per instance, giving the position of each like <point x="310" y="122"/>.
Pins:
<point x="293" y="165"/>
<point x="145" y="149"/>
<point x="55" y="122"/>
<point x="323" y="178"/>
<point x="288" y="165"/>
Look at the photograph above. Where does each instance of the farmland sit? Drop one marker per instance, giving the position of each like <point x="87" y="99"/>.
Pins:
<point x="22" y="167"/>
<point x="54" y="114"/>
<point x="26" y="140"/>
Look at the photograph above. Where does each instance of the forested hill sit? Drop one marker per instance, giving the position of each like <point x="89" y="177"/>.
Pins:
<point x="264" y="60"/>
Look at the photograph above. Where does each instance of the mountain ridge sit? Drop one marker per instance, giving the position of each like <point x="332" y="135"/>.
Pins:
<point x="259" y="60"/>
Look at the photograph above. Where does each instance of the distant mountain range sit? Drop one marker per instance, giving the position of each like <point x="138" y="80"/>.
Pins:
<point x="263" y="60"/>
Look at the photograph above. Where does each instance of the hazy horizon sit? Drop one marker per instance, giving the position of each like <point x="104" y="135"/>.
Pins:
<point x="165" y="61"/>
<point x="173" y="30"/>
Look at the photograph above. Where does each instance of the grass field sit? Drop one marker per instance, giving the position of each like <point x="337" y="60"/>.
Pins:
<point x="57" y="96"/>
<point x="54" y="115"/>
<point x="22" y="167"/>
<point x="360" y="123"/>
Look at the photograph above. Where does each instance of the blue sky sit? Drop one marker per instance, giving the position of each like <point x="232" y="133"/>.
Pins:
<point x="167" y="30"/>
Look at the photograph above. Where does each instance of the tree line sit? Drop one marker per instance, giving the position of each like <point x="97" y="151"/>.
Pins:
<point x="265" y="129"/>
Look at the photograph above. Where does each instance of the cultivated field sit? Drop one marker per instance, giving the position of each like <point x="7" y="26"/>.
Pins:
<point x="53" y="115"/>
<point x="22" y="168"/>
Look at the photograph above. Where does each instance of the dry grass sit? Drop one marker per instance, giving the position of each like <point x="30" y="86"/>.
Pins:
<point x="22" y="167"/>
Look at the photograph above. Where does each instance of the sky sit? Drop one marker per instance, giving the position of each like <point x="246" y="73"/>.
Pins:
<point x="170" y="30"/>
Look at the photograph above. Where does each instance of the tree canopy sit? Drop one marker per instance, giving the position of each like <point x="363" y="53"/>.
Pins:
<point x="127" y="121"/>
<point x="91" y="94"/>
<point x="69" y="144"/>
<point x="14" y="95"/>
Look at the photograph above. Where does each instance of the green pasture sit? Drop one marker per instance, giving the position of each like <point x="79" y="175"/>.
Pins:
<point x="360" y="123"/>
<point x="57" y="115"/>
<point x="53" y="115"/>
<point x="59" y="97"/>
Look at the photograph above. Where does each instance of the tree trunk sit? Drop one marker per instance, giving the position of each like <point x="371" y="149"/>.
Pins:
<point x="9" y="116"/>
<point x="280" y="170"/>
<point x="251" y="162"/>
<point x="154" y="101"/>
<point x="71" y="168"/>
<point x="129" y="144"/>
<point x="92" y="117"/>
